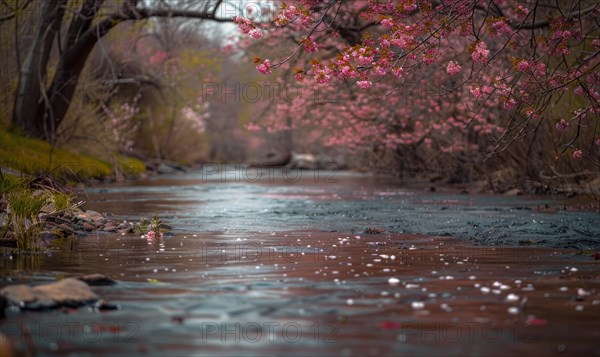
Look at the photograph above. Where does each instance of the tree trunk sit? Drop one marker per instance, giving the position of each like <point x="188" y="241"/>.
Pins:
<point x="52" y="110"/>
<point x="33" y="72"/>
<point x="38" y="112"/>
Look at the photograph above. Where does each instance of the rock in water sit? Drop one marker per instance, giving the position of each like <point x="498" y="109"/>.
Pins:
<point x="69" y="292"/>
<point x="97" y="279"/>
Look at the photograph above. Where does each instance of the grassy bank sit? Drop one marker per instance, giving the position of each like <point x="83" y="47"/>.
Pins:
<point x="31" y="156"/>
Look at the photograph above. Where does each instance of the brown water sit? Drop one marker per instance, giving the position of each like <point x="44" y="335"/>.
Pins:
<point x="284" y="268"/>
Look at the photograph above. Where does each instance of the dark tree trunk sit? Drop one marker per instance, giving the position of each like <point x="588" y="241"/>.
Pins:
<point x="53" y="110"/>
<point x="39" y="112"/>
<point x="33" y="72"/>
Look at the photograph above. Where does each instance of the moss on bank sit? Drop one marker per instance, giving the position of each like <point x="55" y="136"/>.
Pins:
<point x="130" y="165"/>
<point x="32" y="156"/>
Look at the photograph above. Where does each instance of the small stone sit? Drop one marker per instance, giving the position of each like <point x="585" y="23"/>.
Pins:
<point x="125" y="230"/>
<point x="102" y="305"/>
<point x="88" y="226"/>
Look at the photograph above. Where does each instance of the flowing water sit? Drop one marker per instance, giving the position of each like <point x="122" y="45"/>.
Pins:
<point x="280" y="264"/>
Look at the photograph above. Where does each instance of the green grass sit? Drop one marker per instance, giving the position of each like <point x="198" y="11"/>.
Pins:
<point x="23" y="221"/>
<point x="61" y="201"/>
<point x="33" y="156"/>
<point x="25" y="206"/>
<point x="131" y="165"/>
<point x="10" y="183"/>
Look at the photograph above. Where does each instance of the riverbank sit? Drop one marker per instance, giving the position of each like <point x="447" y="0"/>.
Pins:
<point x="82" y="175"/>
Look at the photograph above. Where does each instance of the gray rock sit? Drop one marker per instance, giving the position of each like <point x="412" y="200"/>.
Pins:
<point x="164" y="168"/>
<point x="513" y="192"/>
<point x="111" y="226"/>
<point x="92" y="217"/>
<point x="303" y="161"/>
<point x="67" y="292"/>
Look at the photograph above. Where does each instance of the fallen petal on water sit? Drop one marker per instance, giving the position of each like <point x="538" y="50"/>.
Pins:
<point x="513" y="310"/>
<point x="394" y="281"/>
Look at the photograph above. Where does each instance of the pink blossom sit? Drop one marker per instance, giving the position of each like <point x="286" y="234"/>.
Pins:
<point x="562" y="125"/>
<point x="299" y="77"/>
<point x="532" y="114"/>
<point x="453" y="68"/>
<point x="510" y="103"/>
<point x="380" y="70"/>
<point x="245" y="25"/>
<point x="598" y="142"/>
<point x="365" y="60"/>
<point x="398" y="72"/>
<point x="253" y="127"/>
<point x="322" y="77"/>
<point x="540" y="69"/>
<point x="577" y="154"/>
<point x="256" y="33"/>
<point x="348" y="71"/>
<point x="264" y="67"/>
<point x="521" y="12"/>
<point x="290" y="12"/>
<point x="310" y="45"/>
<point x="410" y="7"/>
<point x="151" y="234"/>
<point x="523" y="66"/>
<point x="501" y="27"/>
<point x="158" y="57"/>
<point x="364" y="84"/>
<point x="306" y="20"/>
<point x="481" y="53"/>
<point x="579" y="90"/>
<point x="387" y="23"/>
<point x="596" y="44"/>
<point x="403" y="41"/>
<point x="476" y="91"/>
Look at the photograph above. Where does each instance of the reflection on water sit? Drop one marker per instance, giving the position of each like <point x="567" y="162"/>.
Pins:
<point x="343" y="202"/>
<point x="274" y="268"/>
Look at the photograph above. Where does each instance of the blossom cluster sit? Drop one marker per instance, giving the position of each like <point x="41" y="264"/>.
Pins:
<point x="429" y="43"/>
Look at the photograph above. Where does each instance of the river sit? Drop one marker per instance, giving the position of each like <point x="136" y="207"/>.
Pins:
<point x="272" y="262"/>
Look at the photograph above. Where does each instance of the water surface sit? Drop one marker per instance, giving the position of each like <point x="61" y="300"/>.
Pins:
<point x="280" y="265"/>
